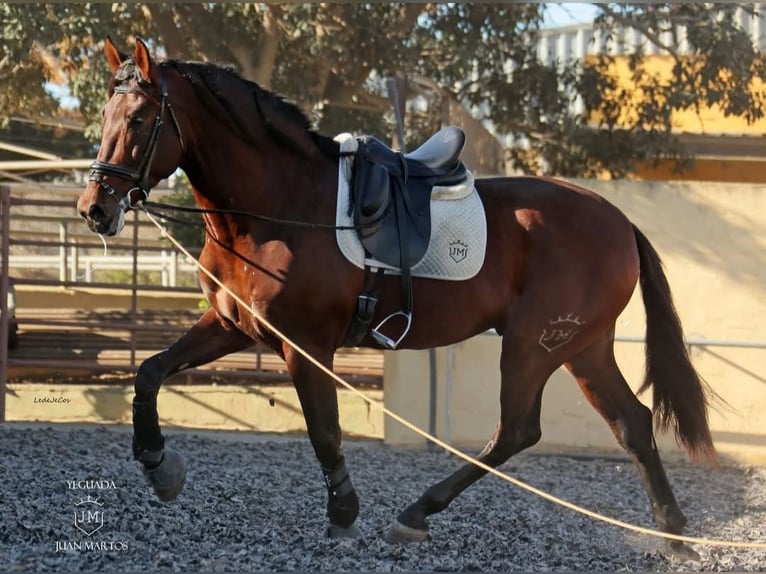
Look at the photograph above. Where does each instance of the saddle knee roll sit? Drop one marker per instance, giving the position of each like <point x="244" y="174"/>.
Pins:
<point x="373" y="191"/>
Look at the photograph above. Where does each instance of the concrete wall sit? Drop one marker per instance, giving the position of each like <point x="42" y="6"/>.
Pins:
<point x="255" y="408"/>
<point x="712" y="238"/>
<point x="50" y="297"/>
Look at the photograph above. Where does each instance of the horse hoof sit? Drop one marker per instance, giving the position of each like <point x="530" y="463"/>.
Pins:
<point x="401" y="534"/>
<point x="168" y="478"/>
<point x="340" y="532"/>
<point x="676" y="550"/>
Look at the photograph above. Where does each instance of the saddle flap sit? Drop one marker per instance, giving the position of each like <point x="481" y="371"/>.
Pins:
<point x="371" y="193"/>
<point x="400" y="239"/>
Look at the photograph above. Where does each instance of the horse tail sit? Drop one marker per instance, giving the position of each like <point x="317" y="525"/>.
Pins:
<point x="680" y="395"/>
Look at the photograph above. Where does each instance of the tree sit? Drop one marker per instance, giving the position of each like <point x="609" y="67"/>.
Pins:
<point x="333" y="60"/>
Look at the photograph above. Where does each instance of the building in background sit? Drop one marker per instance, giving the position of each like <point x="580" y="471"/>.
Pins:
<point x="724" y="149"/>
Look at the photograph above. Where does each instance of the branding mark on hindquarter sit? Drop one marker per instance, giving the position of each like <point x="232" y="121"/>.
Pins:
<point x="560" y="331"/>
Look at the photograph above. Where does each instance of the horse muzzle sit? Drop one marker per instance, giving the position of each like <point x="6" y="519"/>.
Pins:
<point x="104" y="220"/>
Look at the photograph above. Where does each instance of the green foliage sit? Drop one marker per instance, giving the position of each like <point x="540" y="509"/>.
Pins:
<point x="333" y="60"/>
<point x="188" y="228"/>
<point x="48" y="139"/>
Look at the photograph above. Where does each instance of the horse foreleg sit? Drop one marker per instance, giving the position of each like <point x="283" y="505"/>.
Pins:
<point x="319" y="401"/>
<point x="209" y="339"/>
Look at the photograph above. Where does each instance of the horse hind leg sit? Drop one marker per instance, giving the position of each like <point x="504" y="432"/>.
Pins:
<point x="523" y="379"/>
<point x="604" y="386"/>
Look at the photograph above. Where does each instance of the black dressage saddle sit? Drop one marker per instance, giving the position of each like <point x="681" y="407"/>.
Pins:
<point x="390" y="206"/>
<point x="391" y="194"/>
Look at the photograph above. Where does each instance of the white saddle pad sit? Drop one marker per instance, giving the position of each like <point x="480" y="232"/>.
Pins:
<point x="458" y="227"/>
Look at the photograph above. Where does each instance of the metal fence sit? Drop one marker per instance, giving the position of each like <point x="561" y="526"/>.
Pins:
<point x="71" y="265"/>
<point x="44" y="245"/>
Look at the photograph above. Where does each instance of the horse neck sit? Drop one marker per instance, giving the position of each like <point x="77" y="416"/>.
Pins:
<point x="269" y="180"/>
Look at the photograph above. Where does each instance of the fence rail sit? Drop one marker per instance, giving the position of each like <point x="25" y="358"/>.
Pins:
<point x="72" y="341"/>
<point x="62" y="246"/>
<point x="73" y="266"/>
<point x="42" y="244"/>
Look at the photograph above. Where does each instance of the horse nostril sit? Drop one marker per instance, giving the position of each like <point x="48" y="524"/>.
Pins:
<point x="96" y="213"/>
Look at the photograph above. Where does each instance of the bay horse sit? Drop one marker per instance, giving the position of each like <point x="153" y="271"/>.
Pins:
<point x="553" y="249"/>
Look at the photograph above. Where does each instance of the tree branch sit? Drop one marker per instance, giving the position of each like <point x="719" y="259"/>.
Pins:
<point x="630" y="23"/>
<point x="175" y="45"/>
<point x="266" y="48"/>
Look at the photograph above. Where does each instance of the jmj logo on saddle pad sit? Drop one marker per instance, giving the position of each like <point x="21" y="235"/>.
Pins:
<point x="458" y="251"/>
<point x="560" y="331"/>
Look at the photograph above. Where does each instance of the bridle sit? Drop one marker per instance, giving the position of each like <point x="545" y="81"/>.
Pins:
<point x="139" y="177"/>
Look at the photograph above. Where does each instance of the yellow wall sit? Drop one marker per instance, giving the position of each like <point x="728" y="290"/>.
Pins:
<point x="706" y="120"/>
<point x="712" y="238"/>
<point x="706" y="169"/>
<point x="254" y="408"/>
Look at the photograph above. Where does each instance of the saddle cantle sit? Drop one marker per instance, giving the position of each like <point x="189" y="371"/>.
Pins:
<point x="390" y="206"/>
<point x="391" y="192"/>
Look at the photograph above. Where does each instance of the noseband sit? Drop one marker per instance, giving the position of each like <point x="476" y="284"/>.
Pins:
<point x="139" y="177"/>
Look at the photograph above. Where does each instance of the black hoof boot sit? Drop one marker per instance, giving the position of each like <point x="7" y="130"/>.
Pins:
<point x="676" y="550"/>
<point x="401" y="534"/>
<point x="168" y="477"/>
<point x="352" y="531"/>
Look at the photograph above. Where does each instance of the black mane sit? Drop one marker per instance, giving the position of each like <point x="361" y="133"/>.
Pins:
<point x="207" y="79"/>
<point x="210" y="79"/>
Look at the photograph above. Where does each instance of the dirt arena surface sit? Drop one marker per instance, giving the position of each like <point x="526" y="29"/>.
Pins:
<point x="257" y="504"/>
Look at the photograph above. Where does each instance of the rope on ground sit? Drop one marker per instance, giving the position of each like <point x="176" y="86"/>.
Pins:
<point x="449" y="448"/>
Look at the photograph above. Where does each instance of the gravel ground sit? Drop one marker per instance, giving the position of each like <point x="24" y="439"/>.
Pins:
<point x="258" y="505"/>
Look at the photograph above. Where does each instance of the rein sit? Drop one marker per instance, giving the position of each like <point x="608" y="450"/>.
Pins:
<point x="154" y="209"/>
<point x="139" y="177"/>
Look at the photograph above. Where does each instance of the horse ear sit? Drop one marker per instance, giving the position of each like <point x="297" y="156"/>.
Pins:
<point x="113" y="55"/>
<point x="144" y="62"/>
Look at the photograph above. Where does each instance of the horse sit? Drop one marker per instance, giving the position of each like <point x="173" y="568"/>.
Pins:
<point x="553" y="250"/>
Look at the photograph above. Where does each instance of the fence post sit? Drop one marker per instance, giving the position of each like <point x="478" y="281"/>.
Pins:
<point x="174" y="268"/>
<point x="164" y="272"/>
<point x="5" y="207"/>
<point x="74" y="264"/>
<point x="62" y="252"/>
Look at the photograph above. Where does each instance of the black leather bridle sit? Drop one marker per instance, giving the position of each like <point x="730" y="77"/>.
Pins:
<point x="139" y="177"/>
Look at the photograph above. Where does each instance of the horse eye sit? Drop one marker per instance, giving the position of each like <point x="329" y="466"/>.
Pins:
<point x="134" y="121"/>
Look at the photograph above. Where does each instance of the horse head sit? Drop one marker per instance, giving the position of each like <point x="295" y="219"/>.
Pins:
<point x="135" y="151"/>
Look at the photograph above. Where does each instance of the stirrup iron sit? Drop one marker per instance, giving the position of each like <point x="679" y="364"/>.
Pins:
<point x="386" y="341"/>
